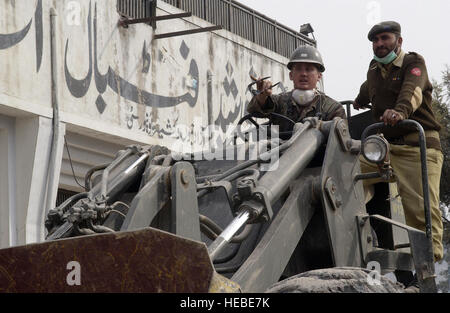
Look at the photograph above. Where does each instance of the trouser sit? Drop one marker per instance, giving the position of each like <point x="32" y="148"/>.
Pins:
<point x="405" y="161"/>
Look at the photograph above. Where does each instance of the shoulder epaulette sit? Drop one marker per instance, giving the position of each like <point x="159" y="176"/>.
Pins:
<point x="413" y="56"/>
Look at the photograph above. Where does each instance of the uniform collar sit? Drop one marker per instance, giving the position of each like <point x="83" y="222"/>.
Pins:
<point x="399" y="60"/>
<point x="304" y="110"/>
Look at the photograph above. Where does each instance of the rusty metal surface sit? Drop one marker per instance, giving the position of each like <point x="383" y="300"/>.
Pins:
<point x="221" y="284"/>
<point x="145" y="260"/>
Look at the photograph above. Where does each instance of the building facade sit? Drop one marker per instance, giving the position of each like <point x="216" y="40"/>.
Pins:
<point x="76" y="86"/>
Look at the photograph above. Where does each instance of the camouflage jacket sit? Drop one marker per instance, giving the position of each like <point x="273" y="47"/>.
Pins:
<point x="322" y="106"/>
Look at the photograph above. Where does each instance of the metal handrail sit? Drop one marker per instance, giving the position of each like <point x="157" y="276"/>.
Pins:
<point x="233" y="20"/>
<point x="423" y="161"/>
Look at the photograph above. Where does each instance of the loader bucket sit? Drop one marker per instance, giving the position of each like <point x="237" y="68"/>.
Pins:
<point x="146" y="260"/>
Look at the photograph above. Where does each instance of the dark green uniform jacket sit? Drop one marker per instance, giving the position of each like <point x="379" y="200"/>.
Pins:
<point x="284" y="105"/>
<point x="402" y="85"/>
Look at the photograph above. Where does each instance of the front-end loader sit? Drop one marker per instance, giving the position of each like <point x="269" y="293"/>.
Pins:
<point x="156" y="221"/>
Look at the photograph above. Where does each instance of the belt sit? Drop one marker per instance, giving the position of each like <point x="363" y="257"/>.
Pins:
<point x="397" y="141"/>
<point x="413" y="137"/>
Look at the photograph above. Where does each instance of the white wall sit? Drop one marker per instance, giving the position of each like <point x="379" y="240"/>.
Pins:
<point x="116" y="87"/>
<point x="121" y="81"/>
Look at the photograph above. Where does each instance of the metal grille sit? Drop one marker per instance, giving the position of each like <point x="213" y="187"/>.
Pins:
<point x="63" y="195"/>
<point x="247" y="23"/>
<point x="217" y="12"/>
<point x="173" y="2"/>
<point x="197" y="7"/>
<point x="136" y="8"/>
<point x="245" y="30"/>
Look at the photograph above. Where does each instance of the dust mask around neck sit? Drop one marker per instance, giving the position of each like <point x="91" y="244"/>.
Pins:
<point x="303" y="97"/>
<point x="391" y="56"/>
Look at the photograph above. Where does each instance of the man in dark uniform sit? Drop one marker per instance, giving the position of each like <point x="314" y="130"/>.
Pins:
<point x="306" y="68"/>
<point x="398" y="87"/>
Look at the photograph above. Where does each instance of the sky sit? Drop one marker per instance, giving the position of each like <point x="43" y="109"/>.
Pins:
<point x="341" y="27"/>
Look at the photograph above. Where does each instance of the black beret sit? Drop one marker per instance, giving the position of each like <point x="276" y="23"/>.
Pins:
<point x="388" y="26"/>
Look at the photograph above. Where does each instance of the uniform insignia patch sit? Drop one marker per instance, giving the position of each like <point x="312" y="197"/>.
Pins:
<point x="416" y="71"/>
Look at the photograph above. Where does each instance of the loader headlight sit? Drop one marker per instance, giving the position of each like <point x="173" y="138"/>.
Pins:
<point x="375" y="149"/>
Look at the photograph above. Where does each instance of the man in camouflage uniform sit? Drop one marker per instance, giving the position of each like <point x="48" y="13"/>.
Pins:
<point x="398" y="87"/>
<point x="306" y="68"/>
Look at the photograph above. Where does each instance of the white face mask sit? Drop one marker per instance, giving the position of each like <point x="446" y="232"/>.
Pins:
<point x="303" y="97"/>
